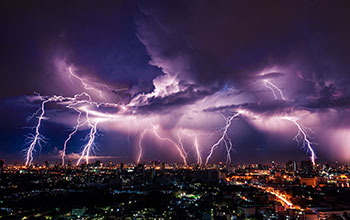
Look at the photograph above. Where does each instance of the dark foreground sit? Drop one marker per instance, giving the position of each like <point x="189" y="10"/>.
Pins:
<point x="170" y="192"/>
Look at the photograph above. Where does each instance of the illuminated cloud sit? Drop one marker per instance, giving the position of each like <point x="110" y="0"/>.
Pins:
<point x="185" y="68"/>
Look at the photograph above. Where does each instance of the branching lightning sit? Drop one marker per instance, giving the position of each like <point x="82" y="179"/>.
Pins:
<point x="273" y="87"/>
<point x="140" y="145"/>
<point x="89" y="115"/>
<point x="87" y="149"/>
<point x="228" y="146"/>
<point x="182" y="154"/>
<point x="195" y="143"/>
<point x="74" y="103"/>
<point x="93" y="86"/>
<point x="302" y="133"/>
<point x="221" y="139"/>
<point x="37" y="138"/>
<point x="79" y="124"/>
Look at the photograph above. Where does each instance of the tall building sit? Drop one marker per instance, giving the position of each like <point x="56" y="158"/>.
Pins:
<point x="291" y="166"/>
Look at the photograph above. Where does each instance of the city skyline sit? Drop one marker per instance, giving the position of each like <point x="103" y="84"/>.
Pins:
<point x="259" y="191"/>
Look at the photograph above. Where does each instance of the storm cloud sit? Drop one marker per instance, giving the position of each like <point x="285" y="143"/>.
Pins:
<point x="178" y="68"/>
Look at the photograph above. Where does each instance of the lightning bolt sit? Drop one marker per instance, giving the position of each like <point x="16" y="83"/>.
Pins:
<point x="37" y="138"/>
<point x="70" y="136"/>
<point x="140" y="145"/>
<point x="195" y="143"/>
<point x="93" y="130"/>
<point x="273" y="87"/>
<point x="86" y="108"/>
<point x="224" y="134"/>
<point x="302" y="133"/>
<point x="180" y="142"/>
<point x="88" y="85"/>
<point x="182" y="154"/>
<point x="196" y="147"/>
<point x="70" y="102"/>
<point x="85" y="84"/>
<point x="33" y="115"/>
<point x="228" y="146"/>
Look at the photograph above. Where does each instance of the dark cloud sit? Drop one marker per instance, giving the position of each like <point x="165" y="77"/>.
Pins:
<point x="271" y="108"/>
<point x="175" y="100"/>
<point x="229" y="41"/>
<point x="280" y="106"/>
<point x="334" y="103"/>
<point x="97" y="38"/>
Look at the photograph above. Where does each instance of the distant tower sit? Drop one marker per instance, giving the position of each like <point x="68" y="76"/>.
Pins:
<point x="295" y="166"/>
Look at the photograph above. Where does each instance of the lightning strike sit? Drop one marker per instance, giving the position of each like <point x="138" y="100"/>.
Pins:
<point x="88" y="147"/>
<point x="273" y="87"/>
<point x="195" y="143"/>
<point x="228" y="146"/>
<point x="93" y="86"/>
<point x="33" y="115"/>
<point x="83" y="103"/>
<point x="37" y="138"/>
<point x="304" y="136"/>
<point x="180" y="142"/>
<point x="70" y="136"/>
<point x="85" y="85"/>
<point x="224" y="134"/>
<point x="182" y="154"/>
<point x="140" y="146"/>
<point x="71" y="103"/>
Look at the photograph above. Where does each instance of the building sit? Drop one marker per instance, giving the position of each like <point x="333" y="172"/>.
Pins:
<point x="308" y="181"/>
<point x="291" y="166"/>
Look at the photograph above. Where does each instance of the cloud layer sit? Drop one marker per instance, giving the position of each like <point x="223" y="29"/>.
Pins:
<point x="181" y="69"/>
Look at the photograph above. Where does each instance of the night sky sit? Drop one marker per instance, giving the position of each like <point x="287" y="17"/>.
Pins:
<point x="163" y="79"/>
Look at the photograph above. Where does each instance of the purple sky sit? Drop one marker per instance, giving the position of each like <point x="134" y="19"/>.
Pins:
<point x="174" y="73"/>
